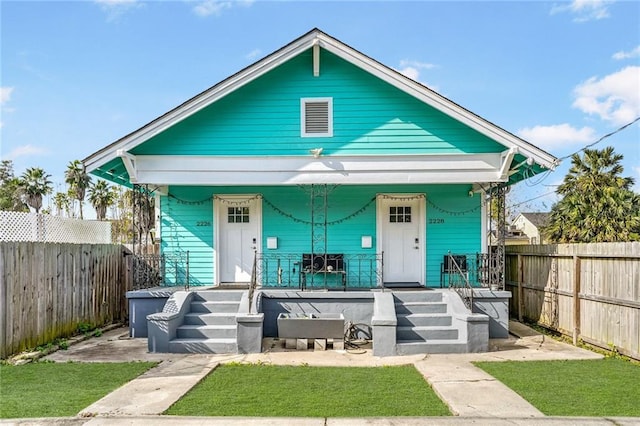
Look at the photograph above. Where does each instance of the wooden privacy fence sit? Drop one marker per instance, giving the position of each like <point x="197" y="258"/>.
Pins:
<point x="48" y="289"/>
<point x="590" y="292"/>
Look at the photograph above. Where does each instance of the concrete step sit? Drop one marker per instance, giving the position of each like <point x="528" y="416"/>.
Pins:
<point x="426" y="333"/>
<point x="203" y="346"/>
<point x="217" y="295"/>
<point x="420" y="308"/>
<point x="214" y="307"/>
<point x="206" y="332"/>
<point x="424" y="320"/>
<point x="218" y="318"/>
<point x="412" y="347"/>
<point x="417" y="296"/>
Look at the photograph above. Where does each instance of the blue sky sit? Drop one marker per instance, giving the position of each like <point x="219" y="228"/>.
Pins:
<point x="78" y="75"/>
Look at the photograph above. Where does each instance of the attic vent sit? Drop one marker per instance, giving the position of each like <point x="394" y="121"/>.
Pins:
<point x="316" y="117"/>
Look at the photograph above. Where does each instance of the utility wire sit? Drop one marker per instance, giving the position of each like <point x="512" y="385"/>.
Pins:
<point x="602" y="138"/>
<point x="531" y="199"/>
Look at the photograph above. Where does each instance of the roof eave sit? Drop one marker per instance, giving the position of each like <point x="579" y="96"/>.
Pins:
<point x="347" y="53"/>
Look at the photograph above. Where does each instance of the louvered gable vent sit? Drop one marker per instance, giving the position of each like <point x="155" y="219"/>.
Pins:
<point x="316" y="117"/>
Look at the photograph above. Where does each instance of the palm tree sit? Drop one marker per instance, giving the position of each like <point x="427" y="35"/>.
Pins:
<point x="101" y="196"/>
<point x="34" y="184"/>
<point x="78" y="180"/>
<point x="10" y="197"/>
<point x="598" y="204"/>
<point x="62" y="203"/>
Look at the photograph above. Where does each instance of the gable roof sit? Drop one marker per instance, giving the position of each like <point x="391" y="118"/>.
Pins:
<point x="537" y="219"/>
<point x="532" y="154"/>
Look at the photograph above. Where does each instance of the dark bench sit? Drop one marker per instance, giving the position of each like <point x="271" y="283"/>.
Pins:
<point x="449" y="267"/>
<point x="327" y="263"/>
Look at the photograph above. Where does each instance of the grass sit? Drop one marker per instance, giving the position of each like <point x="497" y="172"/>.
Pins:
<point x="271" y="391"/>
<point x="603" y="387"/>
<point x="60" y="390"/>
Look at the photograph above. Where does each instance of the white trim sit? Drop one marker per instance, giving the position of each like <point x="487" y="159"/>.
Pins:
<point x="506" y="158"/>
<point x="293" y="170"/>
<point x="303" y="121"/>
<point x="316" y="60"/>
<point x="484" y="232"/>
<point x="317" y="37"/>
<point x="129" y="161"/>
<point x="422" y="227"/>
<point x="218" y="214"/>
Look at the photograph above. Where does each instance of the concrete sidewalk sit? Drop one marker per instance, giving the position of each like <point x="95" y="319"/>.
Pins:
<point x="472" y="395"/>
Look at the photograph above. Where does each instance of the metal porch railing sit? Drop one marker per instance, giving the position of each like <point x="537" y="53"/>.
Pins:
<point x="153" y="270"/>
<point x="464" y="272"/>
<point x="307" y="271"/>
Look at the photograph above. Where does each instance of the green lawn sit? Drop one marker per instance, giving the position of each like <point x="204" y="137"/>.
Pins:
<point x="603" y="387"/>
<point x="271" y="391"/>
<point x="60" y="390"/>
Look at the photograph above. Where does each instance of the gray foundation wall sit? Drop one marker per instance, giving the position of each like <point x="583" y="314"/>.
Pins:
<point x="356" y="307"/>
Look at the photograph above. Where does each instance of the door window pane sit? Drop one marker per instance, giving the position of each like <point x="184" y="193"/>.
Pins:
<point x="400" y="214"/>
<point x="238" y="214"/>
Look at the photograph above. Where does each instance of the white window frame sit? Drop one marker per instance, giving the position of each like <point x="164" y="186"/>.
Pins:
<point x="303" y="130"/>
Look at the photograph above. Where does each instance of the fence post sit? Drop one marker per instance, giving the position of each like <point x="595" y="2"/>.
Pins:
<point x="576" y="299"/>
<point x="520" y="291"/>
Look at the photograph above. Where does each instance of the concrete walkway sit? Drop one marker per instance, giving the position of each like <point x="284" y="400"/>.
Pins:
<point x="472" y="395"/>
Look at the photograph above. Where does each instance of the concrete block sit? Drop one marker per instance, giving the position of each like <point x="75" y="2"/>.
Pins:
<point x="338" y="345"/>
<point x="302" y="344"/>
<point x="290" y="343"/>
<point x="320" y="344"/>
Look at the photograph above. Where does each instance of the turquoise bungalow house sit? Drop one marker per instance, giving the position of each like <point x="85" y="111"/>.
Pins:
<point x="318" y="167"/>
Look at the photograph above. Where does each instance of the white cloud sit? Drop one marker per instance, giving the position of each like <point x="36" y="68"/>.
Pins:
<point x="614" y="98"/>
<point x="5" y="97"/>
<point x="557" y="135"/>
<point x="412" y="70"/>
<point x="25" y="151"/>
<point x="416" y="64"/>
<point x="216" y="7"/>
<point x="116" y="8"/>
<point x="584" y="10"/>
<point x="627" y="55"/>
<point x="255" y="53"/>
<point x="5" y="94"/>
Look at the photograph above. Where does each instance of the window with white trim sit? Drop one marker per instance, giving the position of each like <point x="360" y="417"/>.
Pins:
<point x="316" y="117"/>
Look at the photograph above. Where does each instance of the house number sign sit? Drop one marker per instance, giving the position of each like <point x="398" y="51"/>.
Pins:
<point x="436" y="221"/>
<point x="203" y="223"/>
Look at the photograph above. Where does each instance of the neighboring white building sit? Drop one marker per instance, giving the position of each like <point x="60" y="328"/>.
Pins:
<point x="530" y="224"/>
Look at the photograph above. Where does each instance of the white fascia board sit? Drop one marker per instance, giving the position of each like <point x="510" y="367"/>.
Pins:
<point x="203" y="170"/>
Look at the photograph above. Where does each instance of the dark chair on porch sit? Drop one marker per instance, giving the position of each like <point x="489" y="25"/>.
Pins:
<point x="452" y="264"/>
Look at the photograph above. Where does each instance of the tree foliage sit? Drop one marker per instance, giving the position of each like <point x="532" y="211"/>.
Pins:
<point x="101" y="197"/>
<point x="33" y="185"/>
<point x="78" y="180"/>
<point x="597" y="203"/>
<point x="10" y="189"/>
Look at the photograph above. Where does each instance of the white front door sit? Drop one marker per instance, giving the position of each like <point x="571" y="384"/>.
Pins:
<point x="401" y="237"/>
<point x="238" y="237"/>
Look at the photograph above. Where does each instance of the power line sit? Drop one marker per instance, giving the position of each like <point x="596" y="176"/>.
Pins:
<point x="531" y="199"/>
<point x="602" y="138"/>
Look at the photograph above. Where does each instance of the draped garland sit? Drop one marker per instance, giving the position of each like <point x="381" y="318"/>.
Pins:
<point x="243" y="201"/>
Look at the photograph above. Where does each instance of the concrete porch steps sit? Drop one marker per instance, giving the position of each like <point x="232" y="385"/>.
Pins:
<point x="203" y="346"/>
<point x="425" y="325"/>
<point x="210" y="326"/>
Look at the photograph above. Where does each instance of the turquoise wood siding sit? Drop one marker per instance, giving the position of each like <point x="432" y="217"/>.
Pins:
<point x="453" y="222"/>
<point x="370" y="117"/>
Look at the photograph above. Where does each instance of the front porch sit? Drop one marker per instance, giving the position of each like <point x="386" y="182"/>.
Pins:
<point x="398" y="321"/>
